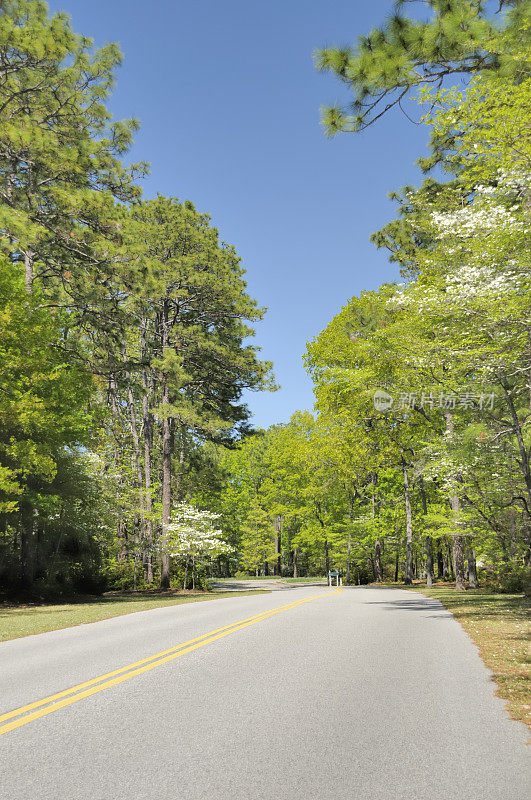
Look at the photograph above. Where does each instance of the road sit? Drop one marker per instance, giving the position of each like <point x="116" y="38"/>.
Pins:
<point x="367" y="693"/>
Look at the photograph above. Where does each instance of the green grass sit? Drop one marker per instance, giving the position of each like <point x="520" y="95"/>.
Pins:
<point x="498" y="625"/>
<point x="249" y="578"/>
<point x="25" y="620"/>
<point x="302" y="580"/>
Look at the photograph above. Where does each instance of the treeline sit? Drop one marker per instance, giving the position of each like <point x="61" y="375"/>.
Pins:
<point x="416" y="463"/>
<point x="124" y="327"/>
<point x="126" y="455"/>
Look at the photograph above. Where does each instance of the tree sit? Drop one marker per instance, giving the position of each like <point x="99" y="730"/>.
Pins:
<point x="60" y="161"/>
<point x="257" y="539"/>
<point x="408" y="54"/>
<point x="193" y="310"/>
<point x="44" y="418"/>
<point x="193" y="538"/>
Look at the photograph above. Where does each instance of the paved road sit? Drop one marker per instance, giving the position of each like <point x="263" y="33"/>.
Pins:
<point x="369" y="693"/>
<point x="272" y="584"/>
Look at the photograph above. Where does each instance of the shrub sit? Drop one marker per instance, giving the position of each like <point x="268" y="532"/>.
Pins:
<point x="515" y="579"/>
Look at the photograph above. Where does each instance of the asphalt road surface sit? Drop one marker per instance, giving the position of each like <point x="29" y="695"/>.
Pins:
<point x="367" y="693"/>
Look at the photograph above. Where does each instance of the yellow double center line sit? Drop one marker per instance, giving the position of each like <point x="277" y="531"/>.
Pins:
<point x="67" y="697"/>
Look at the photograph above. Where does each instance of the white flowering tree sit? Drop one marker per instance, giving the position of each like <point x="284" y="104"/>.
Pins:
<point x="463" y="323"/>
<point x="452" y="346"/>
<point x="194" y="539"/>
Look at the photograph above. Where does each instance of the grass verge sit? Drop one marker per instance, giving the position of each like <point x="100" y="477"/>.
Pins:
<point x="249" y="578"/>
<point x="498" y="625"/>
<point x="25" y="620"/>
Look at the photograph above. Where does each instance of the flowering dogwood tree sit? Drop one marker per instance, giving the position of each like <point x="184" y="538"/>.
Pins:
<point x="194" y="539"/>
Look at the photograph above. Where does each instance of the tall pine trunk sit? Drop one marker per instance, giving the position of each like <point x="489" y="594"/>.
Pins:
<point x="147" y="430"/>
<point x="166" y="490"/>
<point x="409" y="527"/>
<point x="27" y="510"/>
<point x="166" y="459"/>
<point x="136" y="464"/>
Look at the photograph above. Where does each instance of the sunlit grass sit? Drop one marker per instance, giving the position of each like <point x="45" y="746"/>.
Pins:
<point x="25" y="620"/>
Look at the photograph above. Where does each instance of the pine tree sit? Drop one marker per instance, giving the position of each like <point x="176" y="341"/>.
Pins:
<point x="406" y="54"/>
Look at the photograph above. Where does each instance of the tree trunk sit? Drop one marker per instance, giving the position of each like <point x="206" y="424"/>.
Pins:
<point x="429" y="562"/>
<point x="28" y="545"/>
<point x="166" y="462"/>
<point x="472" y="569"/>
<point x="450" y="563"/>
<point x="147" y="428"/>
<point x="378" y="571"/>
<point x="28" y="271"/>
<point x="397" y="557"/>
<point x="122" y="541"/>
<point x="446" y="565"/>
<point x="429" y="549"/>
<point x="409" y="527"/>
<point x="523" y="461"/>
<point x="377" y="562"/>
<point x="440" y="561"/>
<point x="139" y="525"/>
<point x="327" y="558"/>
<point x="278" y="544"/>
<point x="349" y="545"/>
<point x="121" y="533"/>
<point x="458" y="548"/>
<point x="295" y="574"/>
<point x="166" y="493"/>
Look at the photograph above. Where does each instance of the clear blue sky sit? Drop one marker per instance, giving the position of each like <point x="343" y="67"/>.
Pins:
<point x="228" y="101"/>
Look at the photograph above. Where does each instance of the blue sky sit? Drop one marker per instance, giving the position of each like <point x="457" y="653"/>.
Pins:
<point x="228" y="101"/>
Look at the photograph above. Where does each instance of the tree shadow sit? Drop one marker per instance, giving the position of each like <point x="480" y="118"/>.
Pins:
<point x="428" y="604"/>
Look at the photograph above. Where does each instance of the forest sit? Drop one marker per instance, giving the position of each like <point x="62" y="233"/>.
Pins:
<point x="128" y="458"/>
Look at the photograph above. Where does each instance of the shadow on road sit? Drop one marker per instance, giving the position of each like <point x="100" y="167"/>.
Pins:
<point x="414" y="605"/>
<point x="271" y="585"/>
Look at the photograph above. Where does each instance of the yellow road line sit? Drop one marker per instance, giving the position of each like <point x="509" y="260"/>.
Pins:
<point x="134" y="669"/>
<point x="84" y="685"/>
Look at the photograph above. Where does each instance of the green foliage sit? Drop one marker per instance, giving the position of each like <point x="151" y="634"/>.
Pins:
<point x="457" y="39"/>
<point x="124" y="325"/>
<point x="441" y="477"/>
